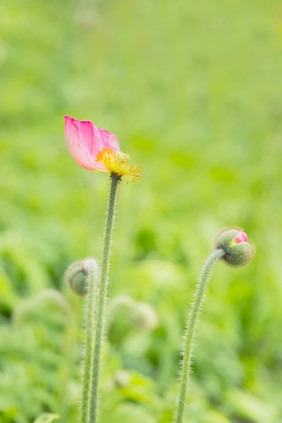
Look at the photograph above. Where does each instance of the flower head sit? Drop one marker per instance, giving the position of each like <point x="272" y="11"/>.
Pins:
<point x="238" y="250"/>
<point x="97" y="149"/>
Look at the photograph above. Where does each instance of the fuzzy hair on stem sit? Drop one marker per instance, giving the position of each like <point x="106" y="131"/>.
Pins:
<point x="92" y="283"/>
<point x="101" y="302"/>
<point x="190" y="332"/>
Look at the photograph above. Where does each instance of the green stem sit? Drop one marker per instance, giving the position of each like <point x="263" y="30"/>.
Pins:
<point x="96" y="367"/>
<point x="90" y="323"/>
<point x="190" y="331"/>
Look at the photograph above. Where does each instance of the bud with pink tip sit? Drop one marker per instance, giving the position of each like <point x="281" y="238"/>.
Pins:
<point x="238" y="250"/>
<point x="241" y="237"/>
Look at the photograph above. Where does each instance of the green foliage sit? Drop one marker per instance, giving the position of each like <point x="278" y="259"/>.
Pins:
<point x="192" y="89"/>
<point x="46" y="418"/>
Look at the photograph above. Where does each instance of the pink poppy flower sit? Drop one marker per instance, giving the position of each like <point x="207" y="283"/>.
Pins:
<point x="85" y="141"/>
<point x="97" y="149"/>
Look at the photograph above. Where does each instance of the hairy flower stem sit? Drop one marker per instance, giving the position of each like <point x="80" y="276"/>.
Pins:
<point x="90" y="324"/>
<point x="190" y="331"/>
<point x="96" y="366"/>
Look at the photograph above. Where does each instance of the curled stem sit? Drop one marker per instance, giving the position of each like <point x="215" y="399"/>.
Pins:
<point x="190" y="331"/>
<point x="92" y="273"/>
<point x="99" y="333"/>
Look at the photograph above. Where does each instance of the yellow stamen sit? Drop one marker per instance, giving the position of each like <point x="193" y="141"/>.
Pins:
<point x="233" y="242"/>
<point x="118" y="165"/>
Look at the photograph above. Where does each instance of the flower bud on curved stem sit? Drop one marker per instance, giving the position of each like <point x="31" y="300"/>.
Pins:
<point x="76" y="277"/>
<point x="238" y="250"/>
<point x="233" y="247"/>
<point x="143" y="317"/>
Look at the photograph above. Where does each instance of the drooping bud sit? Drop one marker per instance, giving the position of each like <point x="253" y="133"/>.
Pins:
<point x="122" y="378"/>
<point x="48" y="302"/>
<point x="238" y="250"/>
<point x="144" y="317"/>
<point x="76" y="277"/>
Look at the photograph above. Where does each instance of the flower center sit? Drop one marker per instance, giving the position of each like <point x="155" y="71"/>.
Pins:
<point x="118" y="164"/>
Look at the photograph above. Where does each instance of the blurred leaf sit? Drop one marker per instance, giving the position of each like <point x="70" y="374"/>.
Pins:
<point x="248" y="406"/>
<point x="46" y="418"/>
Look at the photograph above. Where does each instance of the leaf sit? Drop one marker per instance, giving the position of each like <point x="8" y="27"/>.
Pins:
<point x="46" y="418"/>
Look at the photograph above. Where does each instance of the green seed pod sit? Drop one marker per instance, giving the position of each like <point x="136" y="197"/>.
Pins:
<point x="76" y="277"/>
<point x="238" y="250"/>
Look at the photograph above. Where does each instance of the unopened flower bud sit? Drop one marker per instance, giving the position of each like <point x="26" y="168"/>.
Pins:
<point x="238" y="250"/>
<point x="122" y="378"/>
<point x="144" y="317"/>
<point x="76" y="277"/>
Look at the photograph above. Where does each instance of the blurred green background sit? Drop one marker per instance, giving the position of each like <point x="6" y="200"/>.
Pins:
<point x="193" y="91"/>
